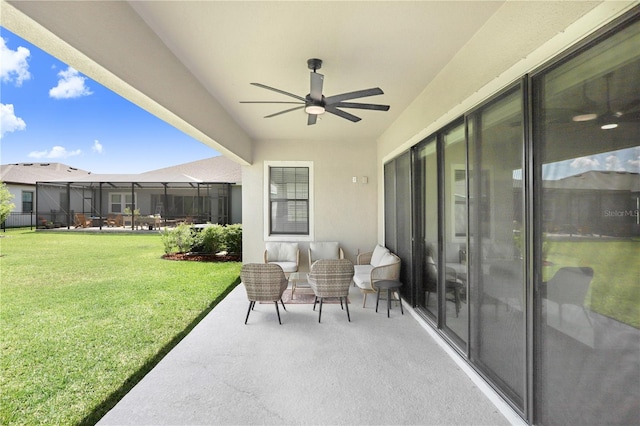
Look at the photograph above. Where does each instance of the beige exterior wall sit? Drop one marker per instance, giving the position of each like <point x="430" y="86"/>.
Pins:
<point x="343" y="211"/>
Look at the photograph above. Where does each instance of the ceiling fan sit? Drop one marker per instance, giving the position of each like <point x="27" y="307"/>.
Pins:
<point x="315" y="103"/>
<point x="610" y="118"/>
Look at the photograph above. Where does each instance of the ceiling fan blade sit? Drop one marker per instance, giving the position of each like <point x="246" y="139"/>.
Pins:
<point x="343" y="114"/>
<point x="284" y="112"/>
<point x="316" y="86"/>
<point x="354" y="95"/>
<point x="279" y="91"/>
<point x="361" y="106"/>
<point x="271" y="102"/>
<point x="312" y="119"/>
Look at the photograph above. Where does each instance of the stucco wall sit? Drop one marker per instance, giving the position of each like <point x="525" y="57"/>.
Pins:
<point x="344" y="211"/>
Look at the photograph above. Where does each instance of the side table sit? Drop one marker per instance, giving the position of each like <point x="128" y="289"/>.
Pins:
<point x="391" y="287"/>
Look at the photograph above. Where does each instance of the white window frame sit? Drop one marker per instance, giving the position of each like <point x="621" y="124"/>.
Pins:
<point x="123" y="204"/>
<point x="266" y="194"/>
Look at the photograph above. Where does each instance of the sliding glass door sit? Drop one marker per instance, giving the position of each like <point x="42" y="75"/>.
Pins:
<point x="497" y="246"/>
<point x="587" y="236"/>
<point x="453" y="262"/>
<point x="426" y="227"/>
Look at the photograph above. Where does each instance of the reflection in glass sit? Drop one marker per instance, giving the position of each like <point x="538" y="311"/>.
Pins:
<point x="588" y="294"/>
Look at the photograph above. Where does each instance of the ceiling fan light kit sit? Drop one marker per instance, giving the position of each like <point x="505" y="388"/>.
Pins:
<point x="610" y="119"/>
<point x="315" y="103"/>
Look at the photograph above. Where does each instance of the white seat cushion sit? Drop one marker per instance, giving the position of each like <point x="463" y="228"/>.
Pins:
<point x="362" y="275"/>
<point x="287" y="266"/>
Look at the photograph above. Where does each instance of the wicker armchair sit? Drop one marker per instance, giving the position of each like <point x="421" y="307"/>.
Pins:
<point x="285" y="255"/>
<point x="331" y="278"/>
<point x="263" y="282"/>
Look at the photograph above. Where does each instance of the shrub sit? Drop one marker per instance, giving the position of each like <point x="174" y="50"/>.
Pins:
<point x="212" y="239"/>
<point x="184" y="238"/>
<point x="233" y="238"/>
<point x="168" y="241"/>
<point x="178" y="239"/>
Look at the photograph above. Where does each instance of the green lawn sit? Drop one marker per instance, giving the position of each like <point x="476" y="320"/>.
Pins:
<point x="615" y="289"/>
<point x="84" y="317"/>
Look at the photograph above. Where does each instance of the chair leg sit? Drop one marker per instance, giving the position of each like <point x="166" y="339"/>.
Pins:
<point x="249" y="311"/>
<point x="283" y="307"/>
<point x="278" y="312"/>
<point x="341" y="307"/>
<point x="364" y="301"/>
<point x="346" y="302"/>
<point x="320" y="314"/>
<point x="377" y="300"/>
<point x="314" y="303"/>
<point x="400" y="302"/>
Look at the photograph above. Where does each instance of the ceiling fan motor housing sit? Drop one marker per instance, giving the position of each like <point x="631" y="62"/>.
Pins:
<point x="314" y="64"/>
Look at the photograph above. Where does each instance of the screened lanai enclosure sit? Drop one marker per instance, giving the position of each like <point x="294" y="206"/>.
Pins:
<point x="134" y="205"/>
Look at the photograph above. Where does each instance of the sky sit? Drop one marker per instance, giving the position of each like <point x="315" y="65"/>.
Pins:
<point x="52" y="113"/>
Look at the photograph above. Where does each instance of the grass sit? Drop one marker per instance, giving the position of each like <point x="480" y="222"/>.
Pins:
<point x="615" y="289"/>
<point x="85" y="317"/>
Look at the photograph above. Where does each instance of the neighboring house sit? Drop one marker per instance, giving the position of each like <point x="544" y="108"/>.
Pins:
<point x="202" y="191"/>
<point x="479" y="92"/>
<point x="21" y="181"/>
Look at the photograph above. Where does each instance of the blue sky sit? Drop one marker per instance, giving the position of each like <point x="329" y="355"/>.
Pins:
<point x="51" y="113"/>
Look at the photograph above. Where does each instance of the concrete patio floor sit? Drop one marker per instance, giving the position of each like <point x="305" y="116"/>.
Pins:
<point x="372" y="370"/>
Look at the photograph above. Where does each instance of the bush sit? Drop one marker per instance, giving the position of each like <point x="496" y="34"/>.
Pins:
<point x="178" y="239"/>
<point x="233" y="238"/>
<point x="168" y="241"/>
<point x="212" y="239"/>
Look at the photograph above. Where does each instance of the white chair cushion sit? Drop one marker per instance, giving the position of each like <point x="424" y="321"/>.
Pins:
<point x="324" y="250"/>
<point x="287" y="266"/>
<point x="377" y="255"/>
<point x="283" y="252"/>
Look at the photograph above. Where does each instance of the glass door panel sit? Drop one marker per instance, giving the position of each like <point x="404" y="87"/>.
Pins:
<point x="587" y="235"/>
<point x="497" y="247"/>
<point x="453" y="263"/>
<point x="426" y="247"/>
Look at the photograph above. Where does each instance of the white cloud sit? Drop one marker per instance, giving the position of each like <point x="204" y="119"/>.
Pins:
<point x="585" y="163"/>
<point x="634" y="164"/>
<point x="55" y="152"/>
<point x="613" y="163"/>
<point x="8" y="120"/>
<point x="13" y="64"/>
<point x="97" y="147"/>
<point x="70" y="85"/>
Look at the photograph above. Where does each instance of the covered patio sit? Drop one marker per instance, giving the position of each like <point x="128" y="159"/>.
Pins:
<point x="337" y="372"/>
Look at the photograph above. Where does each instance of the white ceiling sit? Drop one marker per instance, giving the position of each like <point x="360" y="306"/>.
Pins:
<point x="192" y="62"/>
<point x="397" y="46"/>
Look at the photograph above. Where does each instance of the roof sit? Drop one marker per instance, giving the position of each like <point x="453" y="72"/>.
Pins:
<point x="30" y="173"/>
<point x="217" y="169"/>
<point x="598" y="180"/>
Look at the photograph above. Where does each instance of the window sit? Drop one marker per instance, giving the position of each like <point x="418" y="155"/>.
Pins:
<point x="289" y="202"/>
<point x="27" y="201"/>
<point x="119" y="202"/>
